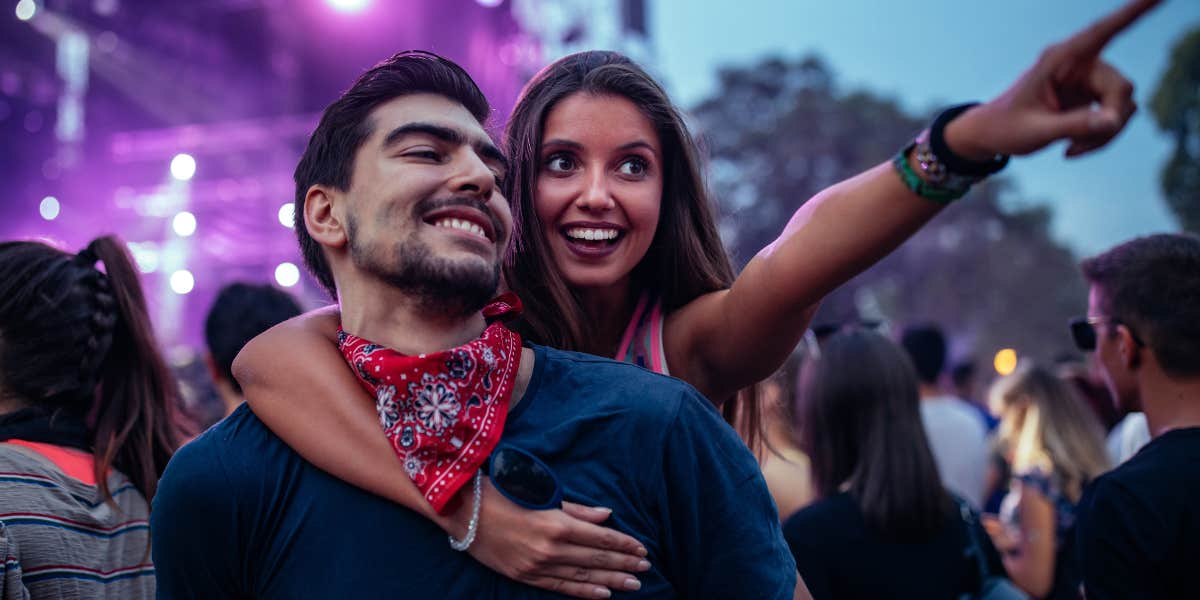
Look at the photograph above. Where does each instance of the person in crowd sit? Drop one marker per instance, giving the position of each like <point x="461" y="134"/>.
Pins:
<point x="881" y="504"/>
<point x="1054" y="446"/>
<point x="616" y="251"/>
<point x="1138" y="527"/>
<point x="1088" y="386"/>
<point x="412" y="240"/>
<point x="88" y="419"/>
<point x="956" y="433"/>
<point x="240" y="312"/>
<point x="784" y="465"/>
<point x="964" y="384"/>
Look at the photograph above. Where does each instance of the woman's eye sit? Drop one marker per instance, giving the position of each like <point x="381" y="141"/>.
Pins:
<point x="635" y="167"/>
<point x="560" y="163"/>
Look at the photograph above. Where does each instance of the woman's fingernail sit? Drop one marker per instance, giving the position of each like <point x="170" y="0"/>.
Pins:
<point x="603" y="592"/>
<point x="641" y="551"/>
<point x="632" y="584"/>
<point x="601" y="509"/>
<point x="644" y="565"/>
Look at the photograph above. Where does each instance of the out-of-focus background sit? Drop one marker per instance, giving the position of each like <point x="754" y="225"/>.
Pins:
<point x="177" y="125"/>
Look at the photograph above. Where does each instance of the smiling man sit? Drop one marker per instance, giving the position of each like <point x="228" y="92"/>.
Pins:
<point x="403" y="221"/>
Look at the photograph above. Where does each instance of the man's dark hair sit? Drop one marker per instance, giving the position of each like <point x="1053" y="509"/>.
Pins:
<point x="962" y="372"/>
<point x="241" y="312"/>
<point x="926" y="346"/>
<point x="329" y="157"/>
<point x="1152" y="285"/>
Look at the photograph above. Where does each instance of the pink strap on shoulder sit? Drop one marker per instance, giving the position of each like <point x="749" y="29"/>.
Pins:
<point x="76" y="464"/>
<point x="656" y="343"/>
<point x="631" y="328"/>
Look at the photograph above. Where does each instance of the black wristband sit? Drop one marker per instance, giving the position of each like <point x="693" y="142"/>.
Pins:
<point x="953" y="162"/>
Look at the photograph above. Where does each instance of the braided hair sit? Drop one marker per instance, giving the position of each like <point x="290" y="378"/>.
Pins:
<point x="76" y="340"/>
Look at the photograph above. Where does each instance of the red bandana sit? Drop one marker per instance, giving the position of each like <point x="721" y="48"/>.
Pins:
<point x="443" y="412"/>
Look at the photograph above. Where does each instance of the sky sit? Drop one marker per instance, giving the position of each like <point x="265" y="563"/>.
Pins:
<point x="941" y="52"/>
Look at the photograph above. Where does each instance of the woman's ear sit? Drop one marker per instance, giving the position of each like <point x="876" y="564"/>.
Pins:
<point x="321" y="216"/>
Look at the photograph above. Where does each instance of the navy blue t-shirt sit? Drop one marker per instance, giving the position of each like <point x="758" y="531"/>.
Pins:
<point x="239" y="514"/>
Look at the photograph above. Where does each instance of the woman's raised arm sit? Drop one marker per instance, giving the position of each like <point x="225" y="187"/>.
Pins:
<point x="729" y="339"/>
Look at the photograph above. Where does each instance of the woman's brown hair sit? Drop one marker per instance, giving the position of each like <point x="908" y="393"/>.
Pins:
<point x="861" y="426"/>
<point x="76" y="340"/>
<point x="685" y="260"/>
<point x="1046" y="427"/>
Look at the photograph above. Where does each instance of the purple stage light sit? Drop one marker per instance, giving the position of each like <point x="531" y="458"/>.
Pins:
<point x="49" y="208"/>
<point x="184" y="224"/>
<point x="183" y="167"/>
<point x="26" y="9"/>
<point x="287" y="215"/>
<point x="182" y="282"/>
<point x="349" y="6"/>
<point x="287" y="274"/>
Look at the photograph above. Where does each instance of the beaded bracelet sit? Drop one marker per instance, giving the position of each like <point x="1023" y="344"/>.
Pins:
<point x="473" y="524"/>
<point x="919" y="186"/>
<point x="947" y="176"/>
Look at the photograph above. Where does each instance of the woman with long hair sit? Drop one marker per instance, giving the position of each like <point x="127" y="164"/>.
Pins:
<point x="882" y="525"/>
<point x="88" y="421"/>
<point x="616" y="253"/>
<point x="1054" y="445"/>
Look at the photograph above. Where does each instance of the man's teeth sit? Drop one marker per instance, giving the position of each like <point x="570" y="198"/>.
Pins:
<point x="581" y="233"/>
<point x="461" y="224"/>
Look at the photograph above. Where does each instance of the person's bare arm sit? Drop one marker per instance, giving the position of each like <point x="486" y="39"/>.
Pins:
<point x="297" y="382"/>
<point x="727" y="340"/>
<point x="801" y="592"/>
<point x="1029" y="553"/>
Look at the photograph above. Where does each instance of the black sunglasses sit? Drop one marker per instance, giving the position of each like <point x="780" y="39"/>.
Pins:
<point x="524" y="479"/>
<point x="1083" y="331"/>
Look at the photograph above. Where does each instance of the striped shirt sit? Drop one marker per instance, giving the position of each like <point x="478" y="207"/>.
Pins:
<point x="59" y="538"/>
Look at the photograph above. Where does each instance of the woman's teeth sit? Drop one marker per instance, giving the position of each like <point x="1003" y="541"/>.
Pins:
<point x="461" y="224"/>
<point x="592" y="235"/>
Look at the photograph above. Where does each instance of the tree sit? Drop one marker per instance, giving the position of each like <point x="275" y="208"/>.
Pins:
<point x="1176" y="108"/>
<point x="779" y="132"/>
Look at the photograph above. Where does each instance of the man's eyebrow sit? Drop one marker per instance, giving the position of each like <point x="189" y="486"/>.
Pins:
<point x="446" y="134"/>
<point x="484" y="148"/>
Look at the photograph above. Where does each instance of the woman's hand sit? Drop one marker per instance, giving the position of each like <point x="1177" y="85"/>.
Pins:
<point x="1069" y="93"/>
<point x="1002" y="538"/>
<point x="566" y="551"/>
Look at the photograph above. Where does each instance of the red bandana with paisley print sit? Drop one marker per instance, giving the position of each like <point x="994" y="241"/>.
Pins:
<point x="443" y="412"/>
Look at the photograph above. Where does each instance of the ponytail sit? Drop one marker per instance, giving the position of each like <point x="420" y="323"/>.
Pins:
<point x="76" y="344"/>
<point x="135" y="416"/>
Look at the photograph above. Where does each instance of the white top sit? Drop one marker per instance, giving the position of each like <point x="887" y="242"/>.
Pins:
<point x="958" y="439"/>
<point x="1127" y="437"/>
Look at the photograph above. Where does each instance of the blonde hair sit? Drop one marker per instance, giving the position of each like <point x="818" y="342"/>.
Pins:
<point x="1046" y="427"/>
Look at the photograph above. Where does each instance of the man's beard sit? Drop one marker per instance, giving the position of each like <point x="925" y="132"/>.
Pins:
<point x="446" y="287"/>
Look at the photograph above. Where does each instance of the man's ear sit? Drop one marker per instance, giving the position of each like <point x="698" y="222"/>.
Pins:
<point x="322" y="216"/>
<point x="1131" y="351"/>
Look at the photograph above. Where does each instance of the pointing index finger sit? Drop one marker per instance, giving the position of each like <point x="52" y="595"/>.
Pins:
<point x="1092" y="40"/>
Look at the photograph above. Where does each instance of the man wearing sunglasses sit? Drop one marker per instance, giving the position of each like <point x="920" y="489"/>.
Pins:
<point x="1139" y="525"/>
<point x="401" y="216"/>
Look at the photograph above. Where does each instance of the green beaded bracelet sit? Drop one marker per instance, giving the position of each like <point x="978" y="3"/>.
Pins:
<point x="919" y="186"/>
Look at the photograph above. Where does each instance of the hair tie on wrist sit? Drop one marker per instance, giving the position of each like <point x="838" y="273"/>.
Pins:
<point x="953" y="162"/>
